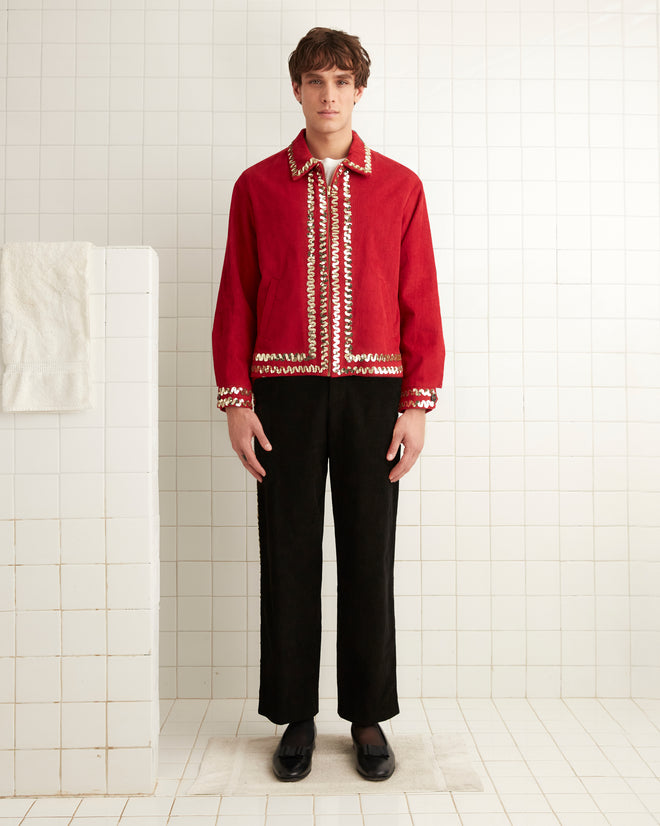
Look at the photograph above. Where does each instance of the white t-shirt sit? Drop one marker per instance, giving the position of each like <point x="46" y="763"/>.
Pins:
<point x="329" y="165"/>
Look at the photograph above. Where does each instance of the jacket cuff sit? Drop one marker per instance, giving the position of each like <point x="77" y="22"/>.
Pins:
<point x="235" y="397"/>
<point x="424" y="397"/>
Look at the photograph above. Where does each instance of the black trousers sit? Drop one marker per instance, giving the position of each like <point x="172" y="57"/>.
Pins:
<point x="346" y="423"/>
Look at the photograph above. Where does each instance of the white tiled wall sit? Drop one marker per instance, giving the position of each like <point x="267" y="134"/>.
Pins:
<point x="527" y="557"/>
<point x="79" y="578"/>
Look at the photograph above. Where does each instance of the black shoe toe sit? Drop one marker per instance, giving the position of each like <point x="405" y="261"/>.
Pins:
<point x="293" y="762"/>
<point x="374" y="762"/>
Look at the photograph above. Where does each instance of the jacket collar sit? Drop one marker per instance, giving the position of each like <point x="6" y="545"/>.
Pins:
<point x="301" y="159"/>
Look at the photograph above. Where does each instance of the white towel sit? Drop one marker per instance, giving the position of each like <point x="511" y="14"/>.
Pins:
<point x="44" y="302"/>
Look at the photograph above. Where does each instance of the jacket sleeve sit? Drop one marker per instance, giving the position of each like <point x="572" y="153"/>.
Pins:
<point x="422" y="342"/>
<point x="234" y="326"/>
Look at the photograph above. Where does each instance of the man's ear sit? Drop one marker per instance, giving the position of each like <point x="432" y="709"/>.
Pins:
<point x="359" y="91"/>
<point x="296" y="91"/>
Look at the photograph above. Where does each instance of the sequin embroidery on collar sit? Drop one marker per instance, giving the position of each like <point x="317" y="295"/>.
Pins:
<point x="301" y="160"/>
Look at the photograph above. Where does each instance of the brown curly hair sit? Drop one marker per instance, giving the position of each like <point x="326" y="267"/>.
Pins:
<point x="323" y="48"/>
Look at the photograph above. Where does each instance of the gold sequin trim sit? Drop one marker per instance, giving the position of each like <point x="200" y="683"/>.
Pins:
<point x="301" y="369"/>
<point x="334" y="257"/>
<point x="348" y="270"/>
<point x="420" y="391"/>
<point x="234" y="397"/>
<point x="394" y="370"/>
<point x="287" y="370"/>
<point x="323" y="270"/>
<point x="311" y="270"/>
<point x="296" y="172"/>
<point x="366" y="169"/>
<point x="418" y="397"/>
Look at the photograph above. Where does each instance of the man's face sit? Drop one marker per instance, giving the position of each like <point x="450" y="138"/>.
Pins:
<point x="328" y="97"/>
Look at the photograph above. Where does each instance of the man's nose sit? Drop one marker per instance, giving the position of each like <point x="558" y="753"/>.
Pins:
<point x="327" y="95"/>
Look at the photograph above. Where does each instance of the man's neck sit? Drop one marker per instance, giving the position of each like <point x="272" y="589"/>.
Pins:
<point x="335" y="145"/>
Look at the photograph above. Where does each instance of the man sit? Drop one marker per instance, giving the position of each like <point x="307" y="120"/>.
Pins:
<point x="327" y="327"/>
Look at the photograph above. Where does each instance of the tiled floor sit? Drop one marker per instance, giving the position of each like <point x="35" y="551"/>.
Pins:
<point x="574" y="762"/>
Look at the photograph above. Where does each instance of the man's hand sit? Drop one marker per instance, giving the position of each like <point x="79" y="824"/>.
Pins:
<point x="244" y="424"/>
<point x="409" y="432"/>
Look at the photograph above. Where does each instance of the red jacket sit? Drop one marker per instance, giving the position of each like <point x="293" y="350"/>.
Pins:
<point x="328" y="281"/>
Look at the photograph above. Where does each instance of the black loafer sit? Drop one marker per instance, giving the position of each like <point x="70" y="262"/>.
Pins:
<point x="293" y="762"/>
<point x="374" y="762"/>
